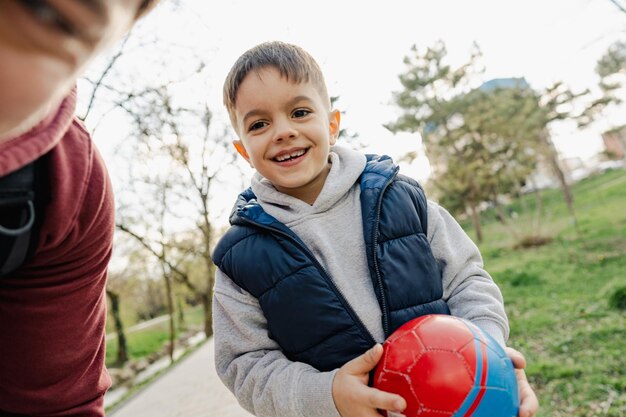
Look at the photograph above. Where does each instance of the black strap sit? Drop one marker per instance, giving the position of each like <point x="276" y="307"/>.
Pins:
<point x="19" y="215"/>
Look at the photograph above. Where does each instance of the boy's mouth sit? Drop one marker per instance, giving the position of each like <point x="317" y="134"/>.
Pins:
<point x="290" y="155"/>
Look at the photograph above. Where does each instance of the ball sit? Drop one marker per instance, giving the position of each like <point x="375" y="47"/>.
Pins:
<point x="444" y="366"/>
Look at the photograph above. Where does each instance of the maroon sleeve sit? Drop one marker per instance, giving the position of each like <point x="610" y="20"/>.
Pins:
<point x="53" y="310"/>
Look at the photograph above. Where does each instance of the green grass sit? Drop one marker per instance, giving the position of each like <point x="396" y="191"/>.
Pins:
<point x="558" y="297"/>
<point x="140" y="344"/>
<point x="147" y="341"/>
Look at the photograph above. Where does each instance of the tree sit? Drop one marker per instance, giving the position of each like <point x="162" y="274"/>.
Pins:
<point x="178" y="250"/>
<point x="122" y="280"/>
<point x="430" y="99"/>
<point x="613" y="62"/>
<point x="190" y="160"/>
<point x="559" y="103"/>
<point x="482" y="143"/>
<point x="165" y="270"/>
<point x="483" y="140"/>
<point x="172" y="143"/>
<point x="611" y="68"/>
<point x="122" y="347"/>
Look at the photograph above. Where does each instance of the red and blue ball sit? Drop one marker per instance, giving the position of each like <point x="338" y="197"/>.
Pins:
<point x="444" y="366"/>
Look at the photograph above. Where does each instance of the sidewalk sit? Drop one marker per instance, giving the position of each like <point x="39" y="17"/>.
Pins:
<point x="190" y="389"/>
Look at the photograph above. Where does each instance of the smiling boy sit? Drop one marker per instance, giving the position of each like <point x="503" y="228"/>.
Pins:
<point x="52" y="289"/>
<point x="329" y="252"/>
<point x="296" y="168"/>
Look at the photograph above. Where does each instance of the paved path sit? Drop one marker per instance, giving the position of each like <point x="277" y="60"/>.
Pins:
<point x="190" y="389"/>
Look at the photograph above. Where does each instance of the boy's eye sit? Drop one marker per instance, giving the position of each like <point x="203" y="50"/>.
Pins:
<point x="48" y="15"/>
<point x="298" y="113"/>
<point x="257" y="125"/>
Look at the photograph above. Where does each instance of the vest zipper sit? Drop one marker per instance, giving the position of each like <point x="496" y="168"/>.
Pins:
<point x="325" y="274"/>
<point x="383" y="301"/>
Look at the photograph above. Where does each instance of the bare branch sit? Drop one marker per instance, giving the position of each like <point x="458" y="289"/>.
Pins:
<point x="619" y="6"/>
<point x="97" y="84"/>
<point x="182" y="275"/>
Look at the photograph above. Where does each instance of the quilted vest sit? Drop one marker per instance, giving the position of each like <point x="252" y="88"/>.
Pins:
<point x="306" y="313"/>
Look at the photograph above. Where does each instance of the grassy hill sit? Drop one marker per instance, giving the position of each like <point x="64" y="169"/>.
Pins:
<point x="563" y="298"/>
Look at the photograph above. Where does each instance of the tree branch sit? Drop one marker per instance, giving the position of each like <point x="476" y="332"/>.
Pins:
<point x="97" y="84"/>
<point x="183" y="276"/>
<point x="619" y="6"/>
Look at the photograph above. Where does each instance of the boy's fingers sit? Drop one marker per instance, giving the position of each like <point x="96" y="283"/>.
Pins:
<point x="366" y="362"/>
<point x="518" y="359"/>
<point x="529" y="404"/>
<point x="385" y="400"/>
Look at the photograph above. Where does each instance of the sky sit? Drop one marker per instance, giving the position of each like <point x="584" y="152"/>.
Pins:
<point x="360" y="46"/>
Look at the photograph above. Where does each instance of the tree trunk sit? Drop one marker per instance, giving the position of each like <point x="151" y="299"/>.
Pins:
<point x="476" y="221"/>
<point x="567" y="193"/>
<point x="207" y="301"/>
<point x="539" y="210"/>
<point x="182" y="324"/>
<point x="170" y="307"/>
<point x="122" y="348"/>
<point x="556" y="167"/>
<point x="501" y="216"/>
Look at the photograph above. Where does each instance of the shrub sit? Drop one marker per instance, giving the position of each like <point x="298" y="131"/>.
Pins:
<point x="617" y="300"/>
<point x="532" y="241"/>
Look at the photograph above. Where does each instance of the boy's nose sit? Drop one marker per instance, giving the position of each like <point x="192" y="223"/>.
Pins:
<point x="284" y="131"/>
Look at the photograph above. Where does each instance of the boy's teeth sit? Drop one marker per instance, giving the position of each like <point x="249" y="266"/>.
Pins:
<point x="295" y="154"/>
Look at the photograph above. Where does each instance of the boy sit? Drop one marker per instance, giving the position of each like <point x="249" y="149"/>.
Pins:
<point x="329" y="253"/>
<point x="52" y="303"/>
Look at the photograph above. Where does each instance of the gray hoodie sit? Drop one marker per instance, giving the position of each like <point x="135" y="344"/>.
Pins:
<point x="252" y="365"/>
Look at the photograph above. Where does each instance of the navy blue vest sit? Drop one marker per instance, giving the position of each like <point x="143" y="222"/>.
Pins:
<point x="306" y="313"/>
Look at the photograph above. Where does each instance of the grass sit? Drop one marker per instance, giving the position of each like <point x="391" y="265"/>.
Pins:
<point x="563" y="298"/>
<point x="147" y="341"/>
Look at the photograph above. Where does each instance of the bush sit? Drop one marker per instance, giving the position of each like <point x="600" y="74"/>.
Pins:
<point x="617" y="300"/>
<point x="532" y="241"/>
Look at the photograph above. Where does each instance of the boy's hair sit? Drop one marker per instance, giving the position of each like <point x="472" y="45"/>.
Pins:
<point x="293" y="63"/>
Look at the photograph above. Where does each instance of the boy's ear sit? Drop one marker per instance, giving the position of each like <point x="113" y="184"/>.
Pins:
<point x="241" y="150"/>
<point x="335" y="123"/>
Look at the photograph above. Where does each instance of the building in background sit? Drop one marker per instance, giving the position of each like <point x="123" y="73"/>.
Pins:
<point x="615" y="142"/>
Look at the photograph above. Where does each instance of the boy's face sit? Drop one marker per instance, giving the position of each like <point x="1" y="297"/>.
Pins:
<point x="285" y="130"/>
<point x="44" y="45"/>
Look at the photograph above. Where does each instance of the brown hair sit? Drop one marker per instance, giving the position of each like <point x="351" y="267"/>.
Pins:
<point x="293" y="63"/>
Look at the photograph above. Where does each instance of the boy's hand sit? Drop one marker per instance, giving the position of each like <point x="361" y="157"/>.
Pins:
<point x="528" y="403"/>
<point x="352" y="395"/>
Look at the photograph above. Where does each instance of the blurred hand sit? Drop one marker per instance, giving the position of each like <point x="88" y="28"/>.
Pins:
<point x="353" y="397"/>
<point x="528" y="403"/>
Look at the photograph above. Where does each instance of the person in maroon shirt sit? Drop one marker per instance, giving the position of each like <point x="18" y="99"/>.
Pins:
<point x="53" y="307"/>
